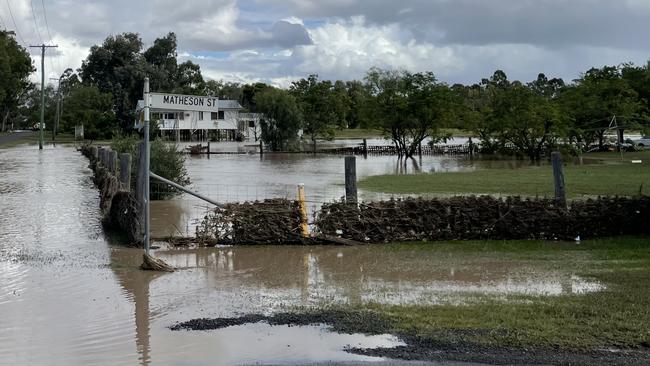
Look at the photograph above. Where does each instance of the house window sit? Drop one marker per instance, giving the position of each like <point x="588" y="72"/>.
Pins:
<point x="221" y="115"/>
<point x="213" y="116"/>
<point x="200" y="116"/>
<point x="181" y="116"/>
<point x="251" y="124"/>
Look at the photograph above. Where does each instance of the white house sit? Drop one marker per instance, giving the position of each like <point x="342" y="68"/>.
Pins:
<point x="192" y="125"/>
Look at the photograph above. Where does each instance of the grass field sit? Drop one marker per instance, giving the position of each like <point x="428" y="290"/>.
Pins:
<point x="613" y="178"/>
<point x="618" y="316"/>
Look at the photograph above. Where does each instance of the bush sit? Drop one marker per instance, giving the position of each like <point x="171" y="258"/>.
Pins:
<point x="166" y="161"/>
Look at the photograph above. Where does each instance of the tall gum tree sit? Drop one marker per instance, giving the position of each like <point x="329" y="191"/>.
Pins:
<point x="15" y="68"/>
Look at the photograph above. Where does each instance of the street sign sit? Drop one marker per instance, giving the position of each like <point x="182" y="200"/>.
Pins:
<point x="182" y="102"/>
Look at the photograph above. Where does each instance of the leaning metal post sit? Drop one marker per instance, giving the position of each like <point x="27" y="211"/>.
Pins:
<point x="181" y="188"/>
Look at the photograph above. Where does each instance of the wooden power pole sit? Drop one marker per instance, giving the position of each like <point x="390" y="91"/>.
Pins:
<point x="40" y="126"/>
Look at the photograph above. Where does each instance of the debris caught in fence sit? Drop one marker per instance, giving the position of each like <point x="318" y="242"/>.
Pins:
<point x="272" y="221"/>
<point x="484" y="217"/>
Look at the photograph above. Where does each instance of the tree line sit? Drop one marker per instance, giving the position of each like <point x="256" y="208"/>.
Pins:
<point x="508" y="116"/>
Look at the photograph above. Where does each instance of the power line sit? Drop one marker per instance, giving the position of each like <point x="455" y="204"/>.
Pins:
<point x="4" y="25"/>
<point x="38" y="32"/>
<point x="15" y="25"/>
<point x="47" y="27"/>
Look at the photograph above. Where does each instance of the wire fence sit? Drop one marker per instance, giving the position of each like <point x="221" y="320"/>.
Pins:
<point x="181" y="214"/>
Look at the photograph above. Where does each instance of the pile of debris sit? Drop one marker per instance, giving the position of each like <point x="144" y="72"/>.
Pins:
<point x="484" y="217"/>
<point x="272" y="221"/>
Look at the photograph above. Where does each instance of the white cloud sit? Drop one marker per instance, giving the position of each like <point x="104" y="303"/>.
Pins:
<point x="352" y="47"/>
<point x="278" y="41"/>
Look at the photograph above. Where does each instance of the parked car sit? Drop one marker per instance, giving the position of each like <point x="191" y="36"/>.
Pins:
<point x="643" y="141"/>
<point x="36" y="126"/>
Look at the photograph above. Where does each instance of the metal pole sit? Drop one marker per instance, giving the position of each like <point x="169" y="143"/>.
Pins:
<point x="147" y="151"/>
<point x="181" y="188"/>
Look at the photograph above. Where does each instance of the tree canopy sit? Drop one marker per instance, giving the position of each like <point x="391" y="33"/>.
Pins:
<point x="15" y="68"/>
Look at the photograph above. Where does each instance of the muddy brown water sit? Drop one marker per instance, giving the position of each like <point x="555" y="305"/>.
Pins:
<point x="250" y="177"/>
<point x="70" y="297"/>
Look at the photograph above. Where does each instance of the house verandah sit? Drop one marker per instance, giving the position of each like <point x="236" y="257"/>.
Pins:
<point x="227" y="124"/>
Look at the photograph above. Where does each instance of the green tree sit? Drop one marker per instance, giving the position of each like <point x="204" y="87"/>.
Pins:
<point x="87" y="105"/>
<point x="166" y="161"/>
<point x="162" y="64"/>
<point x="224" y="90"/>
<point x="595" y="98"/>
<point x="118" y="68"/>
<point x="282" y="117"/>
<point x="322" y="105"/>
<point x="358" y="97"/>
<point x="15" y="67"/>
<point x="409" y="107"/>
<point x="189" y="79"/>
<point x="31" y="107"/>
<point x="249" y="91"/>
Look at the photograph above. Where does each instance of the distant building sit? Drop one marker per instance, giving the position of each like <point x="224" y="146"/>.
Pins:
<point x="228" y="123"/>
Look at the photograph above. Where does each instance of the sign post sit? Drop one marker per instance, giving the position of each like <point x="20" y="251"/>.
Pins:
<point x="147" y="151"/>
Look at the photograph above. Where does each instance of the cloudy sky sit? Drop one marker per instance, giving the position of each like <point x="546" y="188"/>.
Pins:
<point x="278" y="41"/>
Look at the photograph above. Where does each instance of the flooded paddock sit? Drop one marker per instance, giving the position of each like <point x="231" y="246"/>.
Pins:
<point x="250" y="177"/>
<point x="70" y="297"/>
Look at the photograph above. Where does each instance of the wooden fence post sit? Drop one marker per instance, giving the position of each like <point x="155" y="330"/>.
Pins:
<point x="558" y="178"/>
<point x="304" y="226"/>
<point x="100" y="155"/>
<point x="365" y="148"/>
<point x="112" y="162"/>
<point x="351" y="179"/>
<point x="125" y="171"/>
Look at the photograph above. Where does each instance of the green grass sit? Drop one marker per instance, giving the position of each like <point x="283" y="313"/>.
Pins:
<point x="618" y="316"/>
<point x="617" y="178"/>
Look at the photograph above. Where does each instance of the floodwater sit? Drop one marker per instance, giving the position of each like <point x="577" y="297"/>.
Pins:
<point x="250" y="177"/>
<point x="70" y="297"/>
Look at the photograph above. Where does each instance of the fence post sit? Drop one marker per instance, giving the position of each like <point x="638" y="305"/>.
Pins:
<point x="365" y="148"/>
<point x="125" y="171"/>
<point x="100" y="154"/>
<point x="558" y="178"/>
<point x="303" y="210"/>
<point x="112" y="162"/>
<point x="261" y="147"/>
<point x="351" y="179"/>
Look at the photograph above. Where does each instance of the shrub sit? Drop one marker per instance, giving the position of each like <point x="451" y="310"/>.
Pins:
<point x="166" y="161"/>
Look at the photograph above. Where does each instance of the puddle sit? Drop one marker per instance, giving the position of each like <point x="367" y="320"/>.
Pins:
<point x="263" y="344"/>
